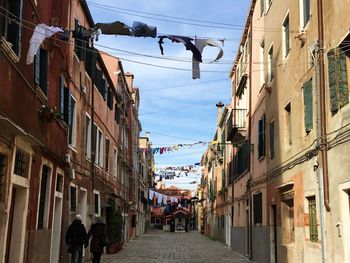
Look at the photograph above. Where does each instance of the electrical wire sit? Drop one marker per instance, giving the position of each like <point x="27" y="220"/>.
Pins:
<point x="211" y="24"/>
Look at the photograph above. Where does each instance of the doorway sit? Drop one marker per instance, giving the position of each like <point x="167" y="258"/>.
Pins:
<point x="228" y="229"/>
<point x="16" y="225"/>
<point x="273" y="233"/>
<point x="57" y="220"/>
<point x="247" y="232"/>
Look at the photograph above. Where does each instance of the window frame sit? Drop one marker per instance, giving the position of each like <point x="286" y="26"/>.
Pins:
<point x="15" y="48"/>
<point x="270" y="64"/>
<point x="73" y="186"/>
<point x="98" y="194"/>
<point x="43" y="223"/>
<point x="72" y="111"/>
<point x="313" y="227"/>
<point x="286" y="36"/>
<point x="88" y="149"/>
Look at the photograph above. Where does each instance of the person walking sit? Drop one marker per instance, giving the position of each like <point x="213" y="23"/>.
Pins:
<point x="97" y="233"/>
<point x="76" y="238"/>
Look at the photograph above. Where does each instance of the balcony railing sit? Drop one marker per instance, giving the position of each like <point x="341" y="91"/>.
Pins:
<point x="236" y="125"/>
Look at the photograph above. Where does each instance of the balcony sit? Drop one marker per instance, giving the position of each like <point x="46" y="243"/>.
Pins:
<point x="236" y="125"/>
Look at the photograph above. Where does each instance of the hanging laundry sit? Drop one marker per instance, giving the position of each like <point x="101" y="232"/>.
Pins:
<point x="115" y="28"/>
<point x="143" y="30"/>
<point x="41" y="32"/>
<point x="200" y="45"/>
<point x="159" y="199"/>
<point x="150" y="194"/>
<point x="187" y="41"/>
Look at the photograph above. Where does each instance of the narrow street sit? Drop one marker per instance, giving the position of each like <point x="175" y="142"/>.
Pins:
<point x="159" y="246"/>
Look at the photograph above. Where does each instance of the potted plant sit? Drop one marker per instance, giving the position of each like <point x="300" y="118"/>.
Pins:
<point x="114" y="231"/>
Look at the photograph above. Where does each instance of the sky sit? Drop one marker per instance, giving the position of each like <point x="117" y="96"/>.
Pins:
<point x="174" y="108"/>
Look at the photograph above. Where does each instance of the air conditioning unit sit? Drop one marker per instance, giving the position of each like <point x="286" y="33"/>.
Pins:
<point x="71" y="173"/>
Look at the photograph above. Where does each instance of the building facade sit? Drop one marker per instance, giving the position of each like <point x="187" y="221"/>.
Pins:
<point x="290" y="99"/>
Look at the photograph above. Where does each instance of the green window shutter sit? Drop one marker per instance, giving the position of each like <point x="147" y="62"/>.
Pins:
<point x="62" y="95"/>
<point x="338" y="82"/>
<point x="308" y="107"/>
<point x="272" y="139"/>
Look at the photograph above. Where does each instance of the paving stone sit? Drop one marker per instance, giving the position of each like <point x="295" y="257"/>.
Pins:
<point x="157" y="246"/>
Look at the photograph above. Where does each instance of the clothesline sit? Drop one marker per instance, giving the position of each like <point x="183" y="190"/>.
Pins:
<point x="138" y="29"/>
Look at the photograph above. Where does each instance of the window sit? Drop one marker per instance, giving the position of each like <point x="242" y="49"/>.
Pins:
<point x="115" y="168"/>
<point x="62" y="95"/>
<point x="117" y="113"/>
<point x="79" y="43"/>
<point x="288" y="120"/>
<point x="270" y="64"/>
<point x="313" y="219"/>
<point x="88" y="136"/>
<point x="262" y="7"/>
<point x="262" y="68"/>
<point x="41" y="69"/>
<point x="107" y="156"/>
<point x="286" y="36"/>
<point x="110" y="98"/>
<point x="97" y="201"/>
<point x="272" y="139"/>
<point x="338" y="61"/>
<point x="11" y="25"/>
<point x="269" y="3"/>
<point x="261" y="143"/>
<point x="99" y="147"/>
<point x="21" y="163"/>
<point x="100" y="83"/>
<point x="73" y="198"/>
<point x="44" y="197"/>
<point x="72" y="121"/>
<point x="257" y="203"/>
<point x="308" y="107"/>
<point x="59" y="183"/>
<point x="305" y="12"/>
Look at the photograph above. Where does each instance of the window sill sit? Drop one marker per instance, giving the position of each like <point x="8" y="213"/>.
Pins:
<point x="6" y="47"/>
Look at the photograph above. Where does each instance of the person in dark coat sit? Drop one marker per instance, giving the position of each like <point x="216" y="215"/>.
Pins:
<point x="97" y="233"/>
<point x="76" y="237"/>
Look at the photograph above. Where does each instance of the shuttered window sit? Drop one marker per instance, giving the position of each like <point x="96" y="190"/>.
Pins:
<point x="313" y="219"/>
<point x="338" y="82"/>
<point x="262" y="7"/>
<point x="41" y="69"/>
<point x="261" y="144"/>
<point x="10" y="24"/>
<point x="308" y="108"/>
<point x="116" y="113"/>
<point x="110" y="98"/>
<point x="44" y="197"/>
<point x="272" y="139"/>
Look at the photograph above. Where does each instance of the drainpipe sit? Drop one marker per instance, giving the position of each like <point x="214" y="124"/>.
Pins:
<point x="322" y="105"/>
<point x="249" y="138"/>
<point x="316" y="167"/>
<point x="93" y="136"/>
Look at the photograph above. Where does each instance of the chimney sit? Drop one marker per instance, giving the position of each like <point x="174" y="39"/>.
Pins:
<point x="130" y="81"/>
<point x="219" y="105"/>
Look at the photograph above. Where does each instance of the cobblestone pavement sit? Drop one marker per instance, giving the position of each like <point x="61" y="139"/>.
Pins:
<point x="157" y="246"/>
